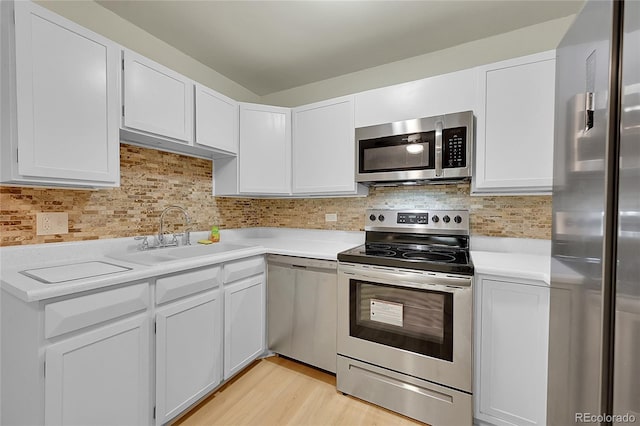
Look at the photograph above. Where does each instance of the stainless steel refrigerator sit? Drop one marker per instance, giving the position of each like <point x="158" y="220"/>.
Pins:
<point x="594" y="327"/>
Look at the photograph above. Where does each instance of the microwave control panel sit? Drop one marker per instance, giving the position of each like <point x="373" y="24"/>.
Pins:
<point x="454" y="147"/>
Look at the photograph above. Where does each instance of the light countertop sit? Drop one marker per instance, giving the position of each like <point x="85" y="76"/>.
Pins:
<point x="258" y="241"/>
<point x="518" y="258"/>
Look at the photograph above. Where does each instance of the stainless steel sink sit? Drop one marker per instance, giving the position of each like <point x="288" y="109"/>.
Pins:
<point x="172" y="254"/>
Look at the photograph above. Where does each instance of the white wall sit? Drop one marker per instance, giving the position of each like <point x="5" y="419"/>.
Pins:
<point x="524" y="41"/>
<point x="91" y="15"/>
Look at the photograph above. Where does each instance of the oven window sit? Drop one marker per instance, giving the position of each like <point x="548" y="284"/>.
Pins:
<point x="415" y="320"/>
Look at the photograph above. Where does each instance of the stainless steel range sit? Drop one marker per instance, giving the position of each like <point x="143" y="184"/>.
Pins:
<point x="405" y="315"/>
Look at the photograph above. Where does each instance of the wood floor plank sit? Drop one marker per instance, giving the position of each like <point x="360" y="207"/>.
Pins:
<point x="276" y="391"/>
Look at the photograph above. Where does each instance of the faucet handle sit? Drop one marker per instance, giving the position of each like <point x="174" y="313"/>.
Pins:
<point x="145" y="242"/>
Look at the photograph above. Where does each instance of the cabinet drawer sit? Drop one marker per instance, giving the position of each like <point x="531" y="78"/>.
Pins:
<point x="235" y="271"/>
<point x="74" y="314"/>
<point x="176" y="286"/>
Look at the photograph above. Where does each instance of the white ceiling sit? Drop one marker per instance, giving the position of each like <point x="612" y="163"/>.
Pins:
<point x="269" y="46"/>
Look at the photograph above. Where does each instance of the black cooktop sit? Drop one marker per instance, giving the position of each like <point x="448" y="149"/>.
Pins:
<point x="436" y="258"/>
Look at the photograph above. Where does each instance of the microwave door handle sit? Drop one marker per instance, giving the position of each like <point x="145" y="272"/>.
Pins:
<point x="439" y="148"/>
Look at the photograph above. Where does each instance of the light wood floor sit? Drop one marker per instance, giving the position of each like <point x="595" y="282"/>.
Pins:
<point x="276" y="391"/>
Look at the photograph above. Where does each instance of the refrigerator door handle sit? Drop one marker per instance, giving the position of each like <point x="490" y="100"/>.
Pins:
<point x="588" y="110"/>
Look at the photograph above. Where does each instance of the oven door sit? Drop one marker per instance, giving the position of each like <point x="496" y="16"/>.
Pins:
<point x="414" y="322"/>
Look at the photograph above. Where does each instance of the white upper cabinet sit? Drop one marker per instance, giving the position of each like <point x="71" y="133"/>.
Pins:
<point x="265" y="150"/>
<point x="431" y="96"/>
<point x="323" y="148"/>
<point x="60" y="101"/>
<point x="156" y="99"/>
<point x="216" y="120"/>
<point x="515" y="119"/>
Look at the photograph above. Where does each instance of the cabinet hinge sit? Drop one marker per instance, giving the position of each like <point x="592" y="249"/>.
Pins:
<point x="123" y="110"/>
<point x="154" y="412"/>
<point x="45" y="369"/>
<point x="155" y="328"/>
<point x="123" y="64"/>
<point x="17" y="155"/>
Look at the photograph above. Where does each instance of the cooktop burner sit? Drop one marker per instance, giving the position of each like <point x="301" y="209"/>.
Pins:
<point x="432" y="257"/>
<point x="437" y="259"/>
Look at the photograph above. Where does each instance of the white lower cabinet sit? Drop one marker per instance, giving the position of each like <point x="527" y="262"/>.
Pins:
<point x="244" y="323"/>
<point x="511" y="342"/>
<point x="89" y="358"/>
<point x="100" y="377"/>
<point x="188" y="353"/>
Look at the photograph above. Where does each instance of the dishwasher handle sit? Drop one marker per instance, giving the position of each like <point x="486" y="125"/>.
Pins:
<point x="301" y="262"/>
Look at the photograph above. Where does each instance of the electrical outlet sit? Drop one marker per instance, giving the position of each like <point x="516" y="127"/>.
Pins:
<point x="331" y="217"/>
<point x="52" y="223"/>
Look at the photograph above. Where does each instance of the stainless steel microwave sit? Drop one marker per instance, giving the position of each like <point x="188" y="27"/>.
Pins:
<point x="416" y="151"/>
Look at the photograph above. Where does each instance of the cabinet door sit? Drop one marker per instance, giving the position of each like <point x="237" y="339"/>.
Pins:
<point x="100" y="377"/>
<point x="188" y="353"/>
<point x="265" y="149"/>
<point x="156" y="99"/>
<point x="427" y="97"/>
<point x="513" y="342"/>
<point x="244" y="323"/>
<point x="216" y="120"/>
<point x="324" y="147"/>
<point x="515" y="116"/>
<point x="67" y="100"/>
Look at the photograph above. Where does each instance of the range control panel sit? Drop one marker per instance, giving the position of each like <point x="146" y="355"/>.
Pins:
<point x="418" y="221"/>
<point x="454" y="143"/>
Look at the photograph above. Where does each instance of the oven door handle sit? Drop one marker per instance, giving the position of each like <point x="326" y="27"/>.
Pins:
<point x="413" y="280"/>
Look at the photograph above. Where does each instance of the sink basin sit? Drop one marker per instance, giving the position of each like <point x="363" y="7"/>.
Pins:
<point x="202" y="250"/>
<point x="171" y="254"/>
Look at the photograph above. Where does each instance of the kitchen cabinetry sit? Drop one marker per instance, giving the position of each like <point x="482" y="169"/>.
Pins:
<point x="301" y="305"/>
<point x="60" y="104"/>
<point x="244" y="325"/>
<point x="156" y="99"/>
<point x="265" y="150"/>
<point x="188" y="340"/>
<point x="511" y="341"/>
<point x="100" y="376"/>
<point x="216" y="120"/>
<point x="73" y="359"/>
<point x="427" y="97"/>
<point x="515" y="116"/>
<point x="324" y="148"/>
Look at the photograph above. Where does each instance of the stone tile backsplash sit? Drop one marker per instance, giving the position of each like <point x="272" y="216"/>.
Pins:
<point x="152" y="180"/>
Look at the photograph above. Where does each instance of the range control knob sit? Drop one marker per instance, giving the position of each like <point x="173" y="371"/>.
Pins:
<point x="381" y="218"/>
<point x="457" y="219"/>
<point x="372" y="218"/>
<point x="446" y="219"/>
<point x="435" y="219"/>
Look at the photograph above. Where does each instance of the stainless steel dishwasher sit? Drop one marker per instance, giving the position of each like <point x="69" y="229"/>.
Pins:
<point x="301" y="309"/>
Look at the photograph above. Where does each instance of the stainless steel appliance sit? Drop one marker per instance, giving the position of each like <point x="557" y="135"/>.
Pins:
<point x="405" y="315"/>
<point x="301" y="309"/>
<point x="594" y="340"/>
<point x="415" y="151"/>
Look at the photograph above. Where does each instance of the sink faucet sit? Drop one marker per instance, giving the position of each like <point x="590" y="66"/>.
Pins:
<point x="161" y="239"/>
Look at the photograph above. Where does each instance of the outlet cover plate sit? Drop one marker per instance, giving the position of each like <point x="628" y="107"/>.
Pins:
<point x="52" y="223"/>
<point x="331" y="217"/>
